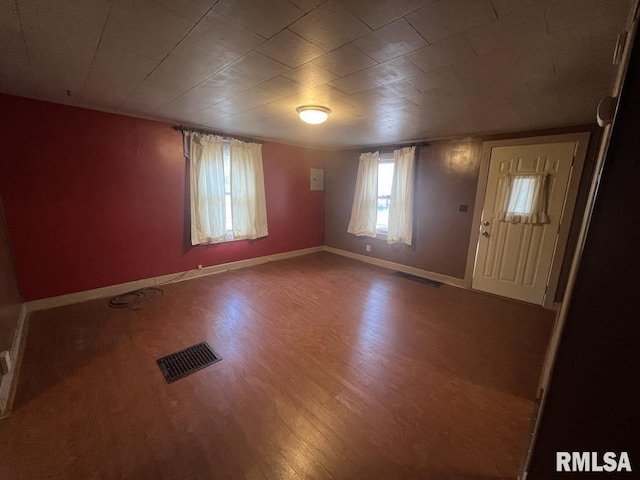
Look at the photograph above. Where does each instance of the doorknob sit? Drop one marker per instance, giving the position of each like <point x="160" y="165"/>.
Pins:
<point x="485" y="223"/>
<point x="485" y="234"/>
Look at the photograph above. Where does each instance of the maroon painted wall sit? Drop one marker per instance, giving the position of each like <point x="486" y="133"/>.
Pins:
<point x="593" y="403"/>
<point x="95" y="199"/>
<point x="10" y="299"/>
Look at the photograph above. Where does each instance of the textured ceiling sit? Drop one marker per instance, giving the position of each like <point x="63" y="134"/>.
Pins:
<point x="391" y="70"/>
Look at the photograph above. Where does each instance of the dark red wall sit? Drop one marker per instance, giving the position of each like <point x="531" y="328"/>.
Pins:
<point x="95" y="199"/>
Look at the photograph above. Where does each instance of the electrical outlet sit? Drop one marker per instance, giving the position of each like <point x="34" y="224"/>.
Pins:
<point x="367" y="248"/>
<point x="199" y="267"/>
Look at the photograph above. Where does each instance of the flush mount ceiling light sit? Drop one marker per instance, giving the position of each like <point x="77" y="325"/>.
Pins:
<point x="313" y="113"/>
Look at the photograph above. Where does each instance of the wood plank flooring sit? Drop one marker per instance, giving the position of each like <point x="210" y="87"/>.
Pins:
<point x="332" y="369"/>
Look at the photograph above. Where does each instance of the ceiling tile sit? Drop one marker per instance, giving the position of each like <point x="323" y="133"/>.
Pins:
<point x="394" y="70"/>
<point x="307" y="5"/>
<point x="370" y="103"/>
<point x="152" y="94"/>
<point x="109" y="87"/>
<point x="345" y="60"/>
<point x="52" y="49"/>
<point x="281" y="85"/>
<point x="434" y="78"/>
<point x="182" y="74"/>
<point x="207" y="93"/>
<point x="215" y="29"/>
<point x="90" y="12"/>
<point x="443" y="53"/>
<point x="131" y="39"/>
<point x="151" y="19"/>
<point x="15" y="71"/>
<point x="538" y="66"/>
<point x="183" y="106"/>
<point x="264" y="18"/>
<point x="260" y="66"/>
<point x="9" y="19"/>
<point x="251" y="98"/>
<point x="330" y="26"/>
<point x="605" y="31"/>
<point x="191" y="9"/>
<point x="323" y="94"/>
<point x="229" y="82"/>
<point x="507" y="7"/>
<point x="442" y="19"/>
<point x="572" y="40"/>
<point x="376" y="13"/>
<point x="260" y="113"/>
<point x="214" y="57"/>
<point x="390" y="41"/>
<point x="208" y="117"/>
<point x="60" y="25"/>
<point x="310" y="75"/>
<point x="565" y="13"/>
<point x="402" y="88"/>
<point x="512" y="29"/>
<point x="290" y="49"/>
<point x="357" y="82"/>
<point x="488" y="73"/>
<point x="112" y="58"/>
<point x="387" y="72"/>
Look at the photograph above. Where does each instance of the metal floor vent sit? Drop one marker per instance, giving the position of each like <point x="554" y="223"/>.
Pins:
<point x="415" y="278"/>
<point x="187" y="361"/>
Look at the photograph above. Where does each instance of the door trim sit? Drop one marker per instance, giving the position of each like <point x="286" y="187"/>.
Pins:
<point x="582" y="139"/>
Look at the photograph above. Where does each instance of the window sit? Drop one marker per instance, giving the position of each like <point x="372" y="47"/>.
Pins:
<point x="226" y="189"/>
<point x="521" y="198"/>
<point x="525" y="198"/>
<point x="383" y="197"/>
<point x="226" y="158"/>
<point x="385" y="180"/>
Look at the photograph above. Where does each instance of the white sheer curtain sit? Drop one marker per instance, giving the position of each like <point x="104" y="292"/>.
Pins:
<point x="525" y="198"/>
<point x="365" y="199"/>
<point x="401" y="203"/>
<point x="206" y="169"/>
<point x="248" y="205"/>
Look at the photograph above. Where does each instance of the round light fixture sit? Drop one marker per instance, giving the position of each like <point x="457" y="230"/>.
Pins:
<point x="313" y="114"/>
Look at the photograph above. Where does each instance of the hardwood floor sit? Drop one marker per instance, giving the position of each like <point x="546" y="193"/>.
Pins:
<point x="331" y="369"/>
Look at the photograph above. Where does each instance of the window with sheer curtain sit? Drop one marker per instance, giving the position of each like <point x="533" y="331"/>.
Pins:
<point x="227" y="198"/>
<point x="525" y="198"/>
<point x="383" y="198"/>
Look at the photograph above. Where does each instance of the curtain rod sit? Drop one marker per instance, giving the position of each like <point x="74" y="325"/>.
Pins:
<point x="182" y="128"/>
<point x="391" y="148"/>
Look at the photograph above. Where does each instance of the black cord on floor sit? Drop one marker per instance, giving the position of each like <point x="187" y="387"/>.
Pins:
<point x="136" y="299"/>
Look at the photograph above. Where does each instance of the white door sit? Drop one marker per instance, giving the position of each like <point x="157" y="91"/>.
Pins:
<point x="514" y="259"/>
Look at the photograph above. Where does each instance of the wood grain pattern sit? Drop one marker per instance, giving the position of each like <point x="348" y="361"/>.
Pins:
<point x="332" y="369"/>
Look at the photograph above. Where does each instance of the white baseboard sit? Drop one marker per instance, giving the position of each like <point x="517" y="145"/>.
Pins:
<point x="456" y="282"/>
<point x="9" y="381"/>
<point x="113" y="290"/>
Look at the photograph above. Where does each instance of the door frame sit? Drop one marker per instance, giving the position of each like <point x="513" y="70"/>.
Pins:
<point x="582" y="144"/>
